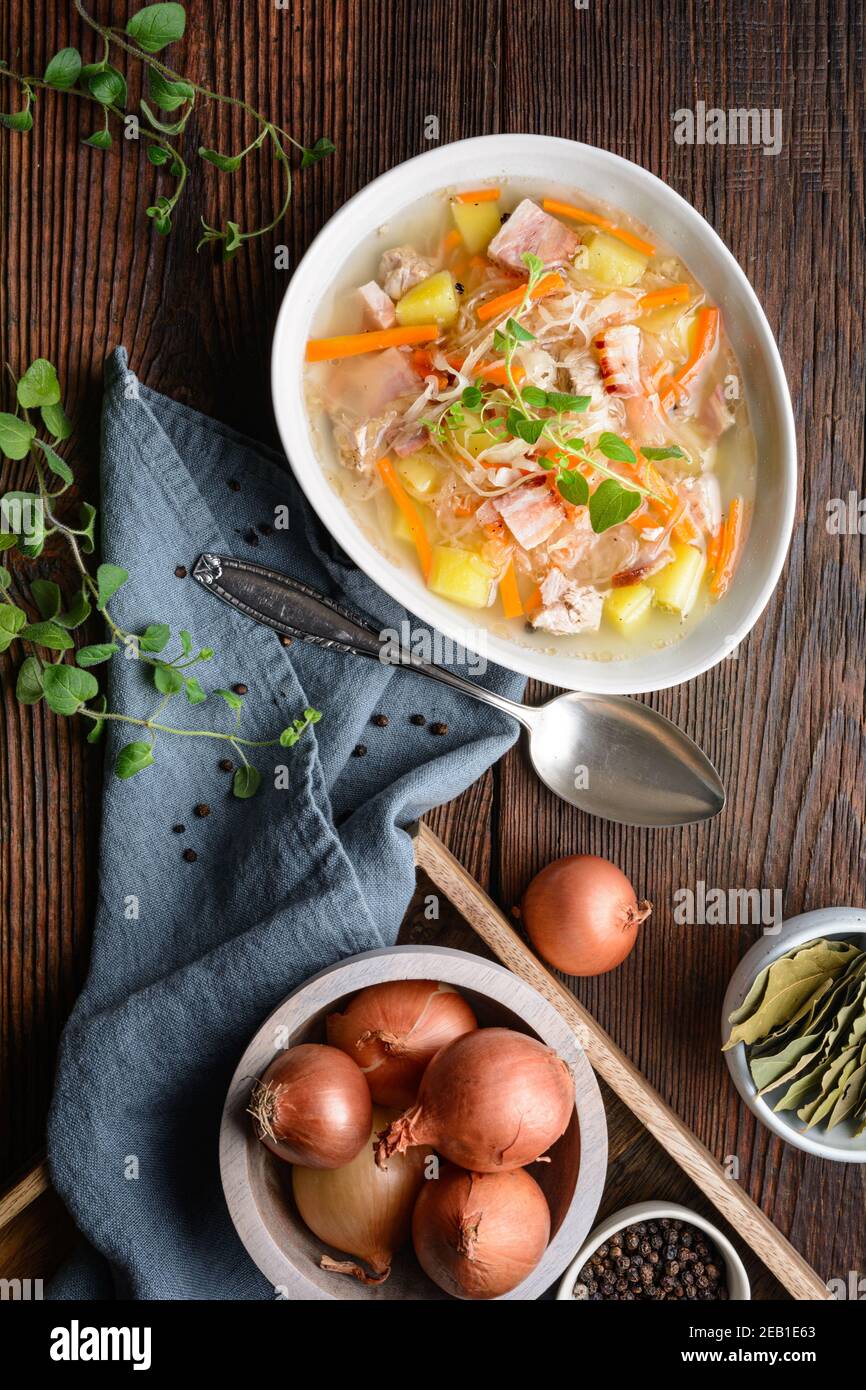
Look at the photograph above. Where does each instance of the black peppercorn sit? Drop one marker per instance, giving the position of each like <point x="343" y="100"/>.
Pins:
<point x="359" y="751"/>
<point x="380" y="720"/>
<point x="459" y="287"/>
<point x="417" y="719"/>
<point x="226" y="765"/>
<point x="240" y="688"/>
<point x="286" y="641"/>
<point x="202" y="810"/>
<point x="178" y="829"/>
<point x="180" y="571"/>
<point x="251" y="537"/>
<point x="439" y="729"/>
<point x="265" y="528"/>
<point x="190" y="856"/>
<point x="234" y="485"/>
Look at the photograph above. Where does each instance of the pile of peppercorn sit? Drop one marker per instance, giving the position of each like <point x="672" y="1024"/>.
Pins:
<point x="663" y="1259"/>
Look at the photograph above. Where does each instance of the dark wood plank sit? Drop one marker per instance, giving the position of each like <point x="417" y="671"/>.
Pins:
<point x="81" y="273"/>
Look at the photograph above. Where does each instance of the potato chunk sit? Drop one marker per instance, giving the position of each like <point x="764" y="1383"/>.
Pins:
<point x="676" y="586"/>
<point x="461" y="575"/>
<point x="434" y="300"/>
<point x="626" y="606"/>
<point x="477" y="224"/>
<point x="419" y="471"/>
<point x="613" y="262"/>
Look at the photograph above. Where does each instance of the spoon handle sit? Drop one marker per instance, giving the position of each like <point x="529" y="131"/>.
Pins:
<point x="298" y="611"/>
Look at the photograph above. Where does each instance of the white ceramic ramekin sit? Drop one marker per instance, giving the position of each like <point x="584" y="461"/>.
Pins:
<point x="625" y="185"/>
<point x="849" y="923"/>
<point x="737" y="1278"/>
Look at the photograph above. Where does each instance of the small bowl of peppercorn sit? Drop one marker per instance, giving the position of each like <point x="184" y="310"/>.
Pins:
<point x="655" y="1252"/>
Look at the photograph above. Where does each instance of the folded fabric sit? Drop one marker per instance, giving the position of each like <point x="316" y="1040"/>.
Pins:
<point x="189" y="956"/>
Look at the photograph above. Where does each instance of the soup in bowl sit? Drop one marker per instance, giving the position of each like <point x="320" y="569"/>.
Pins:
<point x="537" y="411"/>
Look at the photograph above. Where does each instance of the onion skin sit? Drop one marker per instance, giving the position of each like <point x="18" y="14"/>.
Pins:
<point x="312" y="1106"/>
<point x="491" y="1100"/>
<point x="393" y="1030"/>
<point x="361" y="1209"/>
<point x="582" y="914"/>
<point x="479" y="1235"/>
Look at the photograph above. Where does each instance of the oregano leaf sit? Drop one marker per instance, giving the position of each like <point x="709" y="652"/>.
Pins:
<point x="99" y="140"/>
<point x="230" y="698"/>
<point x="154" y="638"/>
<point x="77" y="613"/>
<point x="228" y="163"/>
<point x="246" y="782"/>
<point x="108" y="87"/>
<point x="573" y="486"/>
<point x="48" y="634"/>
<point x="12" y="620"/>
<point x="28" y="687"/>
<point x="194" y="692"/>
<point x="67" y="688"/>
<point x="322" y="148"/>
<point x="156" y="26"/>
<point x="167" y="95"/>
<point x="610" y="504"/>
<point x="56" y="421"/>
<point x="96" y="732"/>
<point x="109" y="578"/>
<point x="64" y="69"/>
<point x="133" y="758"/>
<point x="87" y="539"/>
<point x="16" y="436"/>
<point x="167" y="679"/>
<point x="47" y="597"/>
<point x="98" y="652"/>
<point x="615" y="448"/>
<point x="38" y="386"/>
<point x="58" y="466"/>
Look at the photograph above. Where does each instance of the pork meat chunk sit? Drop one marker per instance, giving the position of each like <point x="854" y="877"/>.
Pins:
<point x="531" y="230"/>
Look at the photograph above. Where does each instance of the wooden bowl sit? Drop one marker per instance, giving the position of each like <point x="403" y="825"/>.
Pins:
<point x="258" y="1187"/>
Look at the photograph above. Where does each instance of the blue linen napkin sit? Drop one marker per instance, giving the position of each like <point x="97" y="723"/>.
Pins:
<point x="189" y="957"/>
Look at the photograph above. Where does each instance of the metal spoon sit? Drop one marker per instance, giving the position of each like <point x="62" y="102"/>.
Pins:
<point x="604" y="754"/>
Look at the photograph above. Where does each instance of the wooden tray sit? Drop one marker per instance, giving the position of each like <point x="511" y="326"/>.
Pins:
<point x="651" y="1152"/>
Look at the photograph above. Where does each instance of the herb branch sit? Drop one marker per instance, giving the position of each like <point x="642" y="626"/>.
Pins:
<point x="175" y="96"/>
<point x="68" y="686"/>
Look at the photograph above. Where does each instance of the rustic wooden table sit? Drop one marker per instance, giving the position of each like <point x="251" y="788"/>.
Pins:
<point x="784" y="722"/>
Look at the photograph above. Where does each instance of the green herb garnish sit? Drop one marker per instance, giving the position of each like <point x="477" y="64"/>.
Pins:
<point x="66" y="683"/>
<point x="147" y="33"/>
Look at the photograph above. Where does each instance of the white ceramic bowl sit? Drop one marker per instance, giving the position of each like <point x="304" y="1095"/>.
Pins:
<point x="737" y="1278"/>
<point x="846" y="922"/>
<point x="617" y="181"/>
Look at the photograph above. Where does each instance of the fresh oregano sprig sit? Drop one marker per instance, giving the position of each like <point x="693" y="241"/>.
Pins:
<point x="174" y="96"/>
<point x="54" y="671"/>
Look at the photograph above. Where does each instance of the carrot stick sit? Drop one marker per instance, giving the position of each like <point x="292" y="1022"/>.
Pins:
<point x="410" y="512"/>
<point x="659" y="299"/>
<point x="478" y="195"/>
<point x="509" y="593"/>
<point x="547" y="285"/>
<point x="706" y="337"/>
<point x="730" y="545"/>
<point x="687" y="530"/>
<point x="494" y="372"/>
<point x="353" y="344"/>
<point x="581" y="215"/>
<point x="450" y="241"/>
<point x="534" y="600"/>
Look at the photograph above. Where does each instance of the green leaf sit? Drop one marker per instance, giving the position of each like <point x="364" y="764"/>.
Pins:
<point x="67" y="688"/>
<point x="518" y="333"/>
<point x="533" y="263"/>
<point x="322" y="148"/>
<point x="154" y="638"/>
<point x="194" y="692"/>
<point x="246" y="782"/>
<point x="77" y="613"/>
<point x="92" y="656"/>
<point x="230" y="698"/>
<point x="108" y="87"/>
<point x="615" y="448"/>
<point x="56" y="421"/>
<point x="99" y="140"/>
<point x="19" y="120"/>
<point x="12" y="620"/>
<point x="16" y="436"/>
<point x="290" y="736"/>
<point x="5" y="577"/>
<point x="168" y="96"/>
<point x="133" y="758"/>
<point x="64" y="69"/>
<point x="47" y="597"/>
<point x="232" y="239"/>
<point x="672" y="451"/>
<point x="88" y="525"/>
<point x="529" y="430"/>
<point x="165" y="127"/>
<point x="185" y="641"/>
<point x="471" y="397"/>
<point x="48" y="635"/>
<point x="157" y="155"/>
<point x="206" y="654"/>
<point x="96" y="732"/>
<point x="227" y="162"/>
<point x="167" y="679"/>
<point x="7" y="540"/>
<point x="108" y="580"/>
<point x="610" y="504"/>
<point x="38" y="386"/>
<point x="58" y="466"/>
<point x="156" y="26"/>
<point x="565" y="404"/>
<point x="28" y="687"/>
<point x="573" y="486"/>
<point x="534" y="396"/>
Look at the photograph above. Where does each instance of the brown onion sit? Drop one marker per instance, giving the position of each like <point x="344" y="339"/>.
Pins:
<point x="478" y="1235"/>
<point x="312" y="1106"/>
<point x="394" y="1029"/>
<point x="362" y="1209"/>
<point x="491" y="1100"/>
<point x="582" y="914"/>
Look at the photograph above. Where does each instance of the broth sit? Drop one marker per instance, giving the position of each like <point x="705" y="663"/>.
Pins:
<point x="475" y="447"/>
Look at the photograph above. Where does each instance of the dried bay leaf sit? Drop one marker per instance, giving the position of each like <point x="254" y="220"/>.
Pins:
<point x="768" y="1072"/>
<point x="827" y="1079"/>
<point x="790" y="982"/>
<point x="814" y="1114"/>
<point x="849" y="1099"/>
